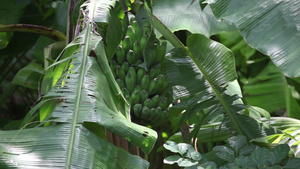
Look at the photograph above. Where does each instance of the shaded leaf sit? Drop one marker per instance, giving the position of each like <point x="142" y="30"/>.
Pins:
<point x="269" y="26"/>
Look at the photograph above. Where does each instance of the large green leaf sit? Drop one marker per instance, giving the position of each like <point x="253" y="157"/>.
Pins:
<point x="268" y="26"/>
<point x="270" y="91"/>
<point x="46" y="147"/>
<point x="84" y="92"/>
<point x="187" y="15"/>
<point x="204" y="69"/>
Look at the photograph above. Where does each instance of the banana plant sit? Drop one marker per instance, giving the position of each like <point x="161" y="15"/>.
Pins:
<point x="84" y="92"/>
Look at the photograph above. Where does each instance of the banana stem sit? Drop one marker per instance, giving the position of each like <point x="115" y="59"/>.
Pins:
<point x="51" y="33"/>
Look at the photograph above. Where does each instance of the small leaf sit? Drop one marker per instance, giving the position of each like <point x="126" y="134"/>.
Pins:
<point x="237" y="142"/>
<point x="247" y="150"/>
<point x="224" y="153"/>
<point x="171" y="146"/>
<point x="183" y="148"/>
<point x="279" y="153"/>
<point x="187" y="163"/>
<point x="260" y="156"/>
<point x="172" y="159"/>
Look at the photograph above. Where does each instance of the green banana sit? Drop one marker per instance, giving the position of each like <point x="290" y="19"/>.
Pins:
<point x="130" y="82"/>
<point x="137" y="49"/>
<point x="126" y="43"/>
<point x="144" y="95"/>
<point x="143" y="41"/>
<point x="138" y="88"/>
<point x="140" y="74"/>
<point x="148" y="103"/>
<point x="153" y="56"/>
<point x="125" y="91"/>
<point x="128" y="98"/>
<point x="145" y="113"/>
<point x="130" y="57"/>
<point x="158" y="115"/>
<point x="132" y="72"/>
<point x="136" y="28"/>
<point x="145" y="82"/>
<point x="159" y="83"/>
<point x="135" y="97"/>
<point x="137" y="110"/>
<point x="155" y="100"/>
<point x="155" y="71"/>
<point x="163" y="103"/>
<point x="152" y="86"/>
<point x="131" y="34"/>
<point x="161" y="52"/>
<point x="152" y="114"/>
<point x="120" y="83"/>
<point x="113" y="65"/>
<point x="120" y="54"/>
<point x="125" y="67"/>
<point x="120" y="73"/>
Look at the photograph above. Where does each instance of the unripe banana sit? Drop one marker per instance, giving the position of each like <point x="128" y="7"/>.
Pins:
<point x="163" y="103"/>
<point x="113" y="65"/>
<point x="136" y="28"/>
<point x="125" y="67"/>
<point x="128" y="98"/>
<point x="126" y="43"/>
<point x="161" y="52"/>
<point x="120" y="73"/>
<point x="137" y="110"/>
<point x="148" y="103"/>
<point x="158" y="115"/>
<point x="137" y="49"/>
<point x="153" y="56"/>
<point x="145" y="112"/>
<point x="120" y="83"/>
<point x="125" y="91"/>
<point x="135" y="97"/>
<point x="140" y="74"/>
<point x="138" y="88"/>
<point x="130" y="57"/>
<point x="145" y="82"/>
<point x="144" y="95"/>
<point x="131" y="34"/>
<point x="152" y="86"/>
<point x="130" y="82"/>
<point x="120" y="54"/>
<point x="152" y="114"/>
<point x="155" y="100"/>
<point x="155" y="71"/>
<point x="132" y="72"/>
<point x="143" y="41"/>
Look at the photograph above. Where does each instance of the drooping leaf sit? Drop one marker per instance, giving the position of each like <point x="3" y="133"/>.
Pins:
<point x="46" y="147"/>
<point x="203" y="71"/>
<point x="269" y="26"/>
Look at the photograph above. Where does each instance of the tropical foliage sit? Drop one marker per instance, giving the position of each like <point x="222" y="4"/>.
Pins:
<point x="232" y="71"/>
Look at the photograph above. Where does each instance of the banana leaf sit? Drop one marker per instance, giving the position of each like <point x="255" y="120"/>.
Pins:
<point x="271" y="27"/>
<point x="204" y="69"/>
<point x="85" y="91"/>
<point x="187" y="15"/>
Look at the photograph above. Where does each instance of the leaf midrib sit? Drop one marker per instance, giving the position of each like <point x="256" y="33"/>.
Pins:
<point x="79" y="88"/>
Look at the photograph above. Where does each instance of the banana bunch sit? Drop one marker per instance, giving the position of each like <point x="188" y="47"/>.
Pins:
<point x="143" y="84"/>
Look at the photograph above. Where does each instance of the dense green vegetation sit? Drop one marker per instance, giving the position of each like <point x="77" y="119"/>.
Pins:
<point x="149" y="84"/>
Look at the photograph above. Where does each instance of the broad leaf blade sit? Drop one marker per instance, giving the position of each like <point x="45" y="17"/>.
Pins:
<point x="174" y="14"/>
<point x="268" y="26"/>
<point x="50" y="145"/>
